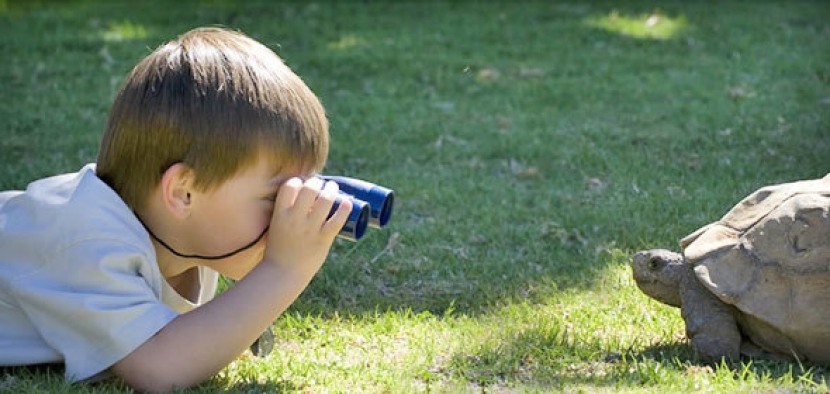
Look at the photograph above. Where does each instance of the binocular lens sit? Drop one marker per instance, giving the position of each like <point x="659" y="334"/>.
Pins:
<point x="372" y="205"/>
<point x="385" y="212"/>
<point x="358" y="219"/>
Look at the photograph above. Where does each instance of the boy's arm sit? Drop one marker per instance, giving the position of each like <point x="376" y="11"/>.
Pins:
<point x="196" y="345"/>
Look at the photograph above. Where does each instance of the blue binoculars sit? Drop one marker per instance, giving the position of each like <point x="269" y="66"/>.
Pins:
<point x="371" y="205"/>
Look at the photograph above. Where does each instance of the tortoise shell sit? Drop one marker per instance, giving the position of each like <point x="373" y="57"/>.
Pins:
<point x="769" y="257"/>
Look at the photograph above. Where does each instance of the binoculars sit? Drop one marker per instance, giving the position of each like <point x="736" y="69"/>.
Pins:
<point x="371" y="205"/>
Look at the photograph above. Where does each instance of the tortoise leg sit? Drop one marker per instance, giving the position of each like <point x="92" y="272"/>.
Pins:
<point x="710" y="324"/>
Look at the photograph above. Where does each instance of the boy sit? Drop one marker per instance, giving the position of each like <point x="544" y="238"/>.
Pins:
<point x="102" y="270"/>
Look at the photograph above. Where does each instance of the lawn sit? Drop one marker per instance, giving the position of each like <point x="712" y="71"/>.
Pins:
<point x="533" y="146"/>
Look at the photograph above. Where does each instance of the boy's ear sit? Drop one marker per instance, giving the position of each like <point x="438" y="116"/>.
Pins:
<point x="176" y="186"/>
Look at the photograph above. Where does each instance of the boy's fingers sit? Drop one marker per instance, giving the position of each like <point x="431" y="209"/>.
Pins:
<point x="331" y="187"/>
<point x="288" y="192"/>
<point x="338" y="219"/>
<point x="307" y="194"/>
<point x="325" y="200"/>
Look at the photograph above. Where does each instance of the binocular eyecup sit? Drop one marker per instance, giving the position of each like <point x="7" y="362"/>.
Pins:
<point x="371" y="205"/>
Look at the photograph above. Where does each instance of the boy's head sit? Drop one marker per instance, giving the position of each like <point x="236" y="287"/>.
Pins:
<point x="215" y="101"/>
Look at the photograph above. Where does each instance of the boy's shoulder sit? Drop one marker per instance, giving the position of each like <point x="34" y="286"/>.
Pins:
<point x="64" y="210"/>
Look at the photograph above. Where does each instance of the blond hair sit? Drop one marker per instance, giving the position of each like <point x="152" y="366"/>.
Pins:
<point x="213" y="99"/>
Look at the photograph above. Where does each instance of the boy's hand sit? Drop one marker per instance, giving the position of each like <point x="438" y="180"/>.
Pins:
<point x="300" y="235"/>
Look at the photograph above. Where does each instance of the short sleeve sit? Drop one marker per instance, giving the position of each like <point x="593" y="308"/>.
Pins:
<point x="94" y="302"/>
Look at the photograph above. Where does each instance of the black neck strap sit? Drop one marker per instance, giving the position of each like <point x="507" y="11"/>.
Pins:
<point x="200" y="257"/>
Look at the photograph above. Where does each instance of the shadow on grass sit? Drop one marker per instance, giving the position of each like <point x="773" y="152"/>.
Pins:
<point x="50" y="379"/>
<point x="547" y="359"/>
<point x="217" y="386"/>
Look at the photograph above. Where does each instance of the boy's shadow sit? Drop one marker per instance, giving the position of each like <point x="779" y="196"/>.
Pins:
<point x="16" y="379"/>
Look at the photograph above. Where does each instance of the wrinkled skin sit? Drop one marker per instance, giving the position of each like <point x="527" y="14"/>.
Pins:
<point x="711" y="325"/>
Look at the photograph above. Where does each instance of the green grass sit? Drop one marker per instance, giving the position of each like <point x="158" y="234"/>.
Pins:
<point x="533" y="147"/>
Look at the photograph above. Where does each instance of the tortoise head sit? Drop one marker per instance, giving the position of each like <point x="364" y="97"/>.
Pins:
<point x="658" y="274"/>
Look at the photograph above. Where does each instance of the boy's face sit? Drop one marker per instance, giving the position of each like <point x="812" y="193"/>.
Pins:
<point x="233" y="215"/>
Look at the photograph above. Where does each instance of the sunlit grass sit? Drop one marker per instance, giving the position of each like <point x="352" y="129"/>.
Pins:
<point x="345" y="43"/>
<point x="124" y="31"/>
<point x="649" y="26"/>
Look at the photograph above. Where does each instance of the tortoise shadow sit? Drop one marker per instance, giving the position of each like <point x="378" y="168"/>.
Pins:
<point x="683" y="353"/>
<point x="530" y="355"/>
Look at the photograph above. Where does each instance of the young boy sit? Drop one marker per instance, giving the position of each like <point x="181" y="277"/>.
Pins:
<point x="205" y="167"/>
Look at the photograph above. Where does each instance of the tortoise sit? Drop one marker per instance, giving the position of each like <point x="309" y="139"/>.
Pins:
<point x="756" y="282"/>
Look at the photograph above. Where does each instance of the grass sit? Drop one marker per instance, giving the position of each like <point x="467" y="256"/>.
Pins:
<point x="534" y="147"/>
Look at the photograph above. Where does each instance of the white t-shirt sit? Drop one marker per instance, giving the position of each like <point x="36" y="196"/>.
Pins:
<point x="79" y="280"/>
